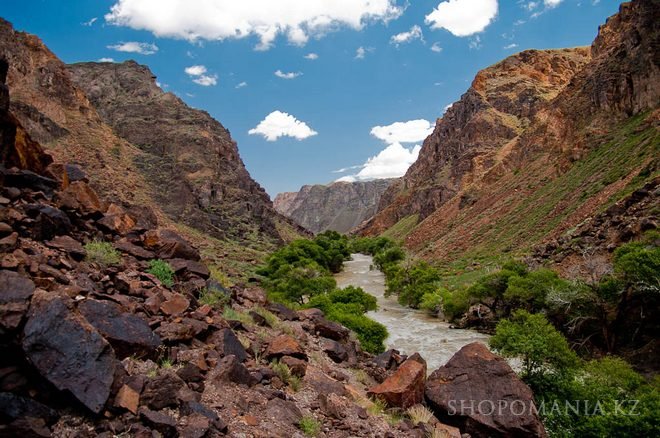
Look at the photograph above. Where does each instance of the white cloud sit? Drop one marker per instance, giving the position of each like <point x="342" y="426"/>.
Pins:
<point x="463" y="17"/>
<point x="241" y="85"/>
<point x="106" y="60"/>
<point x="510" y="46"/>
<point x="346" y="169"/>
<point x="415" y="33"/>
<point x="391" y="162"/>
<point x="290" y="75"/>
<point x="199" y="76"/>
<point x="436" y="48"/>
<point x="195" y="70"/>
<point x="280" y="124"/>
<point x="135" y="47"/>
<point x="551" y="3"/>
<point x="312" y="56"/>
<point x="444" y="110"/>
<point x="361" y="52"/>
<point x="403" y="132"/>
<point x="395" y="159"/>
<point x="298" y="20"/>
<point x="90" y="22"/>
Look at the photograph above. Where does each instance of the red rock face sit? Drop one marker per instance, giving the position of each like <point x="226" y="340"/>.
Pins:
<point x="522" y="125"/>
<point x="404" y="388"/>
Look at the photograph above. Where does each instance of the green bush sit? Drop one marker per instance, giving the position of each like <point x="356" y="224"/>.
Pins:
<point x="102" y="253"/>
<point x="533" y="339"/>
<point x="162" y="271"/>
<point x="309" y="426"/>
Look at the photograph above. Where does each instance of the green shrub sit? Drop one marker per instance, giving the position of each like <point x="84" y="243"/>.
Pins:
<point x="213" y="297"/>
<point x="102" y="253"/>
<point x="454" y="303"/>
<point x="309" y="425"/>
<point x="162" y="271"/>
<point x="536" y="342"/>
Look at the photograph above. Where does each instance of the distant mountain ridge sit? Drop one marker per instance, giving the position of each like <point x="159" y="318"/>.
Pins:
<point x="340" y="206"/>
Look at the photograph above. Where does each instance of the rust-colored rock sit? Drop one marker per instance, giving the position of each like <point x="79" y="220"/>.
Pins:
<point x="175" y="304"/>
<point x="128" y="398"/>
<point x="405" y="387"/>
<point x="479" y="393"/>
<point x="80" y="196"/>
<point x="284" y="345"/>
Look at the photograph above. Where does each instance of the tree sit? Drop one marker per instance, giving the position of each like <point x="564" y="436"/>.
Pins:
<point x="536" y="342"/>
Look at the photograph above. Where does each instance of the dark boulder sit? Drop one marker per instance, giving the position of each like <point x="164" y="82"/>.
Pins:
<point x="49" y="221"/>
<point x="15" y="291"/>
<point x="330" y="329"/>
<point x="127" y="333"/>
<point x="159" y="421"/>
<point x="478" y="392"/>
<point x="230" y="369"/>
<point x="68" y="351"/>
<point x="227" y="344"/>
<point x="335" y="350"/>
<point x="283" y="312"/>
<point x="161" y="391"/>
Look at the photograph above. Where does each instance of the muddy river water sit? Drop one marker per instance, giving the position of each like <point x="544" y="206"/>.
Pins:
<point x="410" y="330"/>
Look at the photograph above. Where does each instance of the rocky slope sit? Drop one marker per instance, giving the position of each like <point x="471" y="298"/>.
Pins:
<point x="144" y="146"/>
<point x="185" y="356"/>
<point x="541" y="142"/>
<point x="184" y="149"/>
<point x="340" y="206"/>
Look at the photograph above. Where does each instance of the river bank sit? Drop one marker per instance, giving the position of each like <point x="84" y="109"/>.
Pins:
<point x="410" y="330"/>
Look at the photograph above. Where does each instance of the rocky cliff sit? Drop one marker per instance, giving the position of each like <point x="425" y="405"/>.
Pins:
<point x="189" y="159"/>
<point x="144" y="146"/>
<point x="541" y="141"/>
<point x="340" y="206"/>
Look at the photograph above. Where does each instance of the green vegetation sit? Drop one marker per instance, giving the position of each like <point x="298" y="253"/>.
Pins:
<point x="399" y="231"/>
<point x="162" y="271"/>
<point x="419" y="414"/>
<point x="605" y="396"/>
<point x="102" y="253"/>
<point x="300" y="275"/>
<point x="213" y="297"/>
<point x="309" y="425"/>
<point x="284" y="373"/>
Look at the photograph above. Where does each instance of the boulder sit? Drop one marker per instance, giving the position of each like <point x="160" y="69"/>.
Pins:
<point x="298" y="367"/>
<point x="389" y="359"/>
<point x="161" y="391"/>
<point x="405" y="387"/>
<point x="127" y="333"/>
<point x="160" y="421"/>
<point x="117" y="222"/>
<point x="283" y="312"/>
<point x="68" y="351"/>
<point x="69" y="245"/>
<point x="129" y="248"/>
<point x="48" y="221"/>
<point x="334" y="350"/>
<point x="174" y="304"/>
<point x="128" y="398"/>
<point x="175" y="332"/>
<point x="227" y="344"/>
<point x="478" y="392"/>
<point x="170" y="245"/>
<point x="230" y="369"/>
<point x="330" y="329"/>
<point x="81" y="197"/>
<point x="284" y="345"/>
<point x="187" y="267"/>
<point x="15" y="292"/>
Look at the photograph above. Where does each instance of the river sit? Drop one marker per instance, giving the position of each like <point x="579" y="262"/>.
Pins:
<point x="410" y="330"/>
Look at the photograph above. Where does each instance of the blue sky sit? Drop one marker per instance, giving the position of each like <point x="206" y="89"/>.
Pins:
<point x="222" y="56"/>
